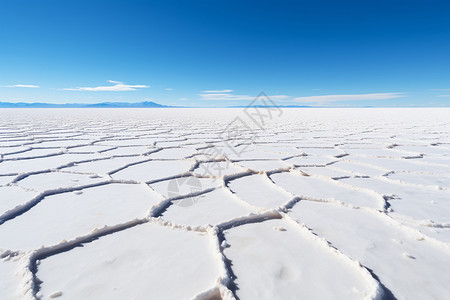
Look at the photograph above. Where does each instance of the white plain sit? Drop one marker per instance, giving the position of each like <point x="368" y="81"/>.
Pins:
<point x="175" y="204"/>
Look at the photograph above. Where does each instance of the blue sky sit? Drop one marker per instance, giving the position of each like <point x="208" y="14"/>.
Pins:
<point x="220" y="53"/>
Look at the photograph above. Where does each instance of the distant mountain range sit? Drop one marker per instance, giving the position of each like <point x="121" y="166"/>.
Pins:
<point x="147" y="104"/>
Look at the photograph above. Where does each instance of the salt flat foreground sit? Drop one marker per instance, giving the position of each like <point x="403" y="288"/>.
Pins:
<point x="225" y="203"/>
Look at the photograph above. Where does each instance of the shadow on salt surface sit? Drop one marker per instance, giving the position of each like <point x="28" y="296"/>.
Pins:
<point x="327" y="190"/>
<point x="276" y="259"/>
<point x="153" y="170"/>
<point x="211" y="208"/>
<point x="400" y="257"/>
<point x="66" y="216"/>
<point x="147" y="261"/>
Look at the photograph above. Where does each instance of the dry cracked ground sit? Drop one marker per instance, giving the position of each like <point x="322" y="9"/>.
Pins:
<point x="222" y="204"/>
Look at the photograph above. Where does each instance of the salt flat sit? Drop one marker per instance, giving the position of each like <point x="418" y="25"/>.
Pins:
<point x="225" y="203"/>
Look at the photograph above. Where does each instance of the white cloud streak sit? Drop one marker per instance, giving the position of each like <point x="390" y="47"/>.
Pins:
<point x="354" y="97"/>
<point x="443" y="96"/>
<point x="117" y="87"/>
<point x="22" y="86"/>
<point x="226" y="95"/>
<point x="218" y="91"/>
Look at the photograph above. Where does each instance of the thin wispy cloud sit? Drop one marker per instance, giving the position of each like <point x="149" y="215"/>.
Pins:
<point x="223" y="95"/>
<point x="168" y="89"/>
<point x="351" y="97"/>
<point x="443" y="96"/>
<point x="21" y="86"/>
<point x="218" y="91"/>
<point x="117" y="87"/>
<point x="227" y="95"/>
<point x="441" y="90"/>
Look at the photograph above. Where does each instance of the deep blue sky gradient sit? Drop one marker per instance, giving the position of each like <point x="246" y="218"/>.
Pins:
<point x="292" y="48"/>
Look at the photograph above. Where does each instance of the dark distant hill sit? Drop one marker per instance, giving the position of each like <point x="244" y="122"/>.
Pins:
<point x="147" y="104"/>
